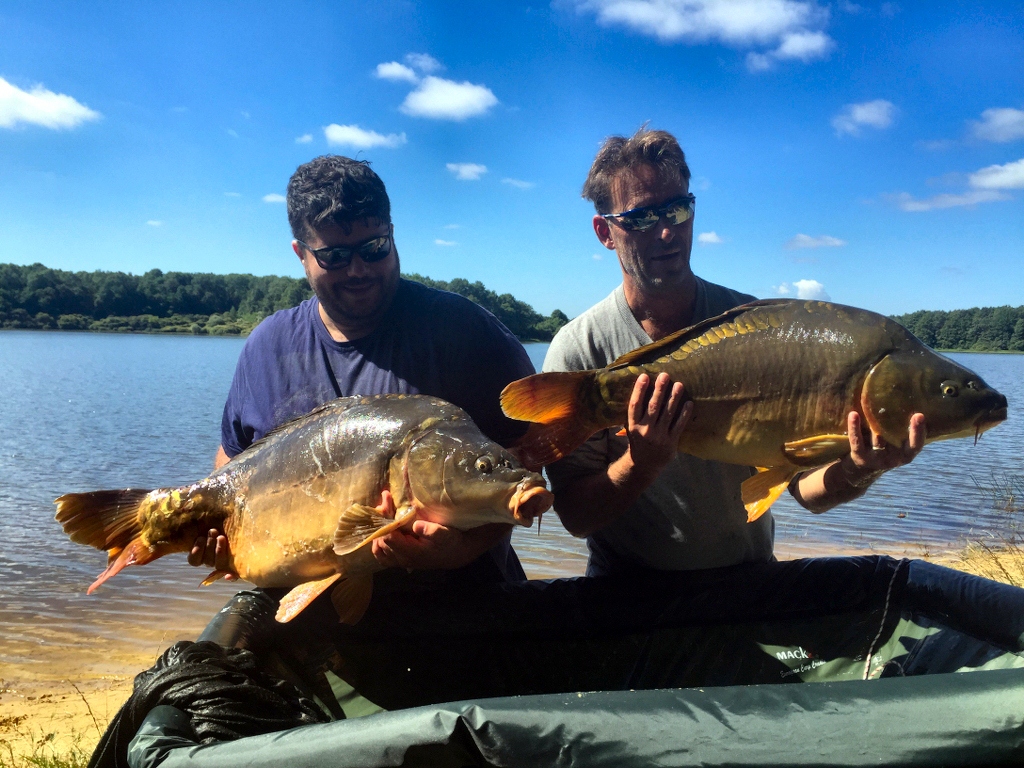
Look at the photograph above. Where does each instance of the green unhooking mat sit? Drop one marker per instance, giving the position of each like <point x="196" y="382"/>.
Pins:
<point x="834" y="661"/>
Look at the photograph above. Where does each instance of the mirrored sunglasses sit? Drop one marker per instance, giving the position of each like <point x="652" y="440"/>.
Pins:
<point x="642" y="219"/>
<point x="340" y="256"/>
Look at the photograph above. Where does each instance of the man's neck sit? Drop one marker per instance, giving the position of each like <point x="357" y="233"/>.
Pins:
<point x="347" y="331"/>
<point x="660" y="316"/>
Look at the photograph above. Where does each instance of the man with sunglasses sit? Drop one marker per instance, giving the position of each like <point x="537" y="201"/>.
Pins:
<point x="641" y="503"/>
<point x="367" y="331"/>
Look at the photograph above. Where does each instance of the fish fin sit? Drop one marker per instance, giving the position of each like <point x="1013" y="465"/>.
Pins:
<point x="763" y="489"/>
<point x="817" y="450"/>
<point x="135" y="553"/>
<point x="299" y="597"/>
<point x="106" y="520"/>
<point x="360" y="524"/>
<point x="214" y="576"/>
<point x="351" y="598"/>
<point x="544" y="397"/>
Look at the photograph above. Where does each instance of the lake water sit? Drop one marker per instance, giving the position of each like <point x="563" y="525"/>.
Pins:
<point x="83" y="411"/>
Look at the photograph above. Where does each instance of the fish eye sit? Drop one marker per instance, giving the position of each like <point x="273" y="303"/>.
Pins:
<point x="949" y="389"/>
<point x="484" y="464"/>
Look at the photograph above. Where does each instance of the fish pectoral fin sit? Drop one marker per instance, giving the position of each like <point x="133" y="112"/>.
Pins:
<point x="763" y="489"/>
<point x="351" y="598"/>
<point x="817" y="450"/>
<point x="360" y="524"/>
<point x="294" y="602"/>
<point x="215" y="576"/>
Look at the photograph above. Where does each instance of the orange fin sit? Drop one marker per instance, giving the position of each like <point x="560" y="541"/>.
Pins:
<point x="215" y="576"/>
<point x="297" y="599"/>
<point x="136" y="553"/>
<point x="817" y="450"/>
<point x="763" y="489"/>
<point x="106" y="520"/>
<point x="351" y="598"/>
<point x="360" y="524"/>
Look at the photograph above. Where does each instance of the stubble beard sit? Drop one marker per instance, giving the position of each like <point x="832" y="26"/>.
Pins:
<point x="348" y="314"/>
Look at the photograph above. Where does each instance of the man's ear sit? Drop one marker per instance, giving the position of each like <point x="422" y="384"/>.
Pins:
<point x="298" y="251"/>
<point x="603" y="232"/>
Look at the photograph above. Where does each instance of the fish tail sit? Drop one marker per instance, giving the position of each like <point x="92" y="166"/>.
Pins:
<point x="762" y="490"/>
<point x="107" y="520"/>
<point x="552" y="401"/>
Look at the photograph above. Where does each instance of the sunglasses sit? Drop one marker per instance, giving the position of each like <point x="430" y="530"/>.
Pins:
<point x="340" y="256"/>
<point x="642" y="219"/>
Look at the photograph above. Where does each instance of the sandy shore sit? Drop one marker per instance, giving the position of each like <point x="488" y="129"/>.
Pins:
<point x="63" y="702"/>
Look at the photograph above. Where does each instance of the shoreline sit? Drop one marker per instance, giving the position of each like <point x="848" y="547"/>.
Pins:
<point x="63" y="705"/>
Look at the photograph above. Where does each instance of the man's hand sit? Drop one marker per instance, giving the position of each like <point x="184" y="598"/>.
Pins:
<point x="656" y="418"/>
<point x="212" y="551"/>
<point x="870" y="455"/>
<point x="431" y="546"/>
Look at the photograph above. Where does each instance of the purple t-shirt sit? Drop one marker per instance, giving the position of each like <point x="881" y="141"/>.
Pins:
<point x="430" y="342"/>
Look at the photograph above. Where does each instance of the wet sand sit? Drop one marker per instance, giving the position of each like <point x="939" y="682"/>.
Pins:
<point x="59" y="698"/>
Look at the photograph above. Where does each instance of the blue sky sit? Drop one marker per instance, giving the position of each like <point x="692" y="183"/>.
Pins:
<point x="869" y="152"/>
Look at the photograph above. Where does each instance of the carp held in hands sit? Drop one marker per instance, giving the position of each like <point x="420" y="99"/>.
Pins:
<point x="772" y="383"/>
<point x="302" y="506"/>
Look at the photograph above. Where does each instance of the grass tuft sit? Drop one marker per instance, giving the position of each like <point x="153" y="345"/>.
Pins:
<point x="1000" y="554"/>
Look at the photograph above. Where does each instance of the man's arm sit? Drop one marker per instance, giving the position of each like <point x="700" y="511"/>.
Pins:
<point x="841" y="481"/>
<point x="656" y="416"/>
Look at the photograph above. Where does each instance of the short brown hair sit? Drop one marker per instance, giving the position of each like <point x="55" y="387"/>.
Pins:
<point x="332" y="189"/>
<point x="658" y="149"/>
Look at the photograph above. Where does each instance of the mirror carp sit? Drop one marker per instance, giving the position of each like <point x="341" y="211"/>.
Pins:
<point x="301" y="507"/>
<point x="772" y="383"/>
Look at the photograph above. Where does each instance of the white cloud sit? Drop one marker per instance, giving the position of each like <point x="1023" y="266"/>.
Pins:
<point x="447" y="100"/>
<point x="907" y="202"/>
<point x="872" y="114"/>
<point x="518" y="183"/>
<point x="1002" y="124"/>
<point x="806" y="241"/>
<point x="273" y="197"/>
<point x="467" y="171"/>
<point x="935" y="145"/>
<point x="354" y="136"/>
<point x="709" y="238"/>
<point x="452" y="226"/>
<point x="231" y="132"/>
<point x="305" y="138"/>
<point x="41" y="107"/>
<point x="792" y="27"/>
<point x="155" y="223"/>
<point x="597" y="257"/>
<point x="1009" y="176"/>
<point x="810" y="290"/>
<point x="232" y="194"/>
<point x="423" y="62"/>
<point x="394" y="71"/>
<point x="445" y="242"/>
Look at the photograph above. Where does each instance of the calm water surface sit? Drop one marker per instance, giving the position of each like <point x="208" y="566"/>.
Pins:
<point x="83" y="411"/>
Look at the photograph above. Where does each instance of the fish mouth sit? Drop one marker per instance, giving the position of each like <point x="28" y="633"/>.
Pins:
<point x="991" y="418"/>
<point x="529" y="501"/>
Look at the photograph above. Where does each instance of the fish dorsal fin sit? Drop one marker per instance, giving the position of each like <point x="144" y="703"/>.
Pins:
<point x="763" y="489"/>
<point x="360" y="524"/>
<point x="701" y="334"/>
<point x="817" y="450"/>
<point x="351" y="598"/>
<point x="297" y="599"/>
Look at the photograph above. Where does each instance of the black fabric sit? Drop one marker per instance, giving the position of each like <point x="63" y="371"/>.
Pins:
<point x="223" y="692"/>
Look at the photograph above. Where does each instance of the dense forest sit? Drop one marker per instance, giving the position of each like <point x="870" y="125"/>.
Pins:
<point x="36" y="296"/>
<point x="985" y="329"/>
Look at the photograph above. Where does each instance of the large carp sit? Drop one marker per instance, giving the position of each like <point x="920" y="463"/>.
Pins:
<point x="301" y="507"/>
<point x="772" y="383"/>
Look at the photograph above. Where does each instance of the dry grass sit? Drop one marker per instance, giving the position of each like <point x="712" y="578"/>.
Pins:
<point x="1000" y="554"/>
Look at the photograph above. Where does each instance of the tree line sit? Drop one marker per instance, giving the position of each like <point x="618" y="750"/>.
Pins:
<point x="38" y="297"/>
<point x="981" y="329"/>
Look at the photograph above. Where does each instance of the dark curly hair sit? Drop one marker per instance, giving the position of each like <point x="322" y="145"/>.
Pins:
<point x="658" y="149"/>
<point x="335" y="190"/>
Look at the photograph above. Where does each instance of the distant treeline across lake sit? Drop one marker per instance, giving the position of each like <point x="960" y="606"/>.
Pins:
<point x="37" y="297"/>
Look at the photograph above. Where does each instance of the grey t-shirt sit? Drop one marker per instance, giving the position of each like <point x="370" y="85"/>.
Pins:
<point x="692" y="516"/>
